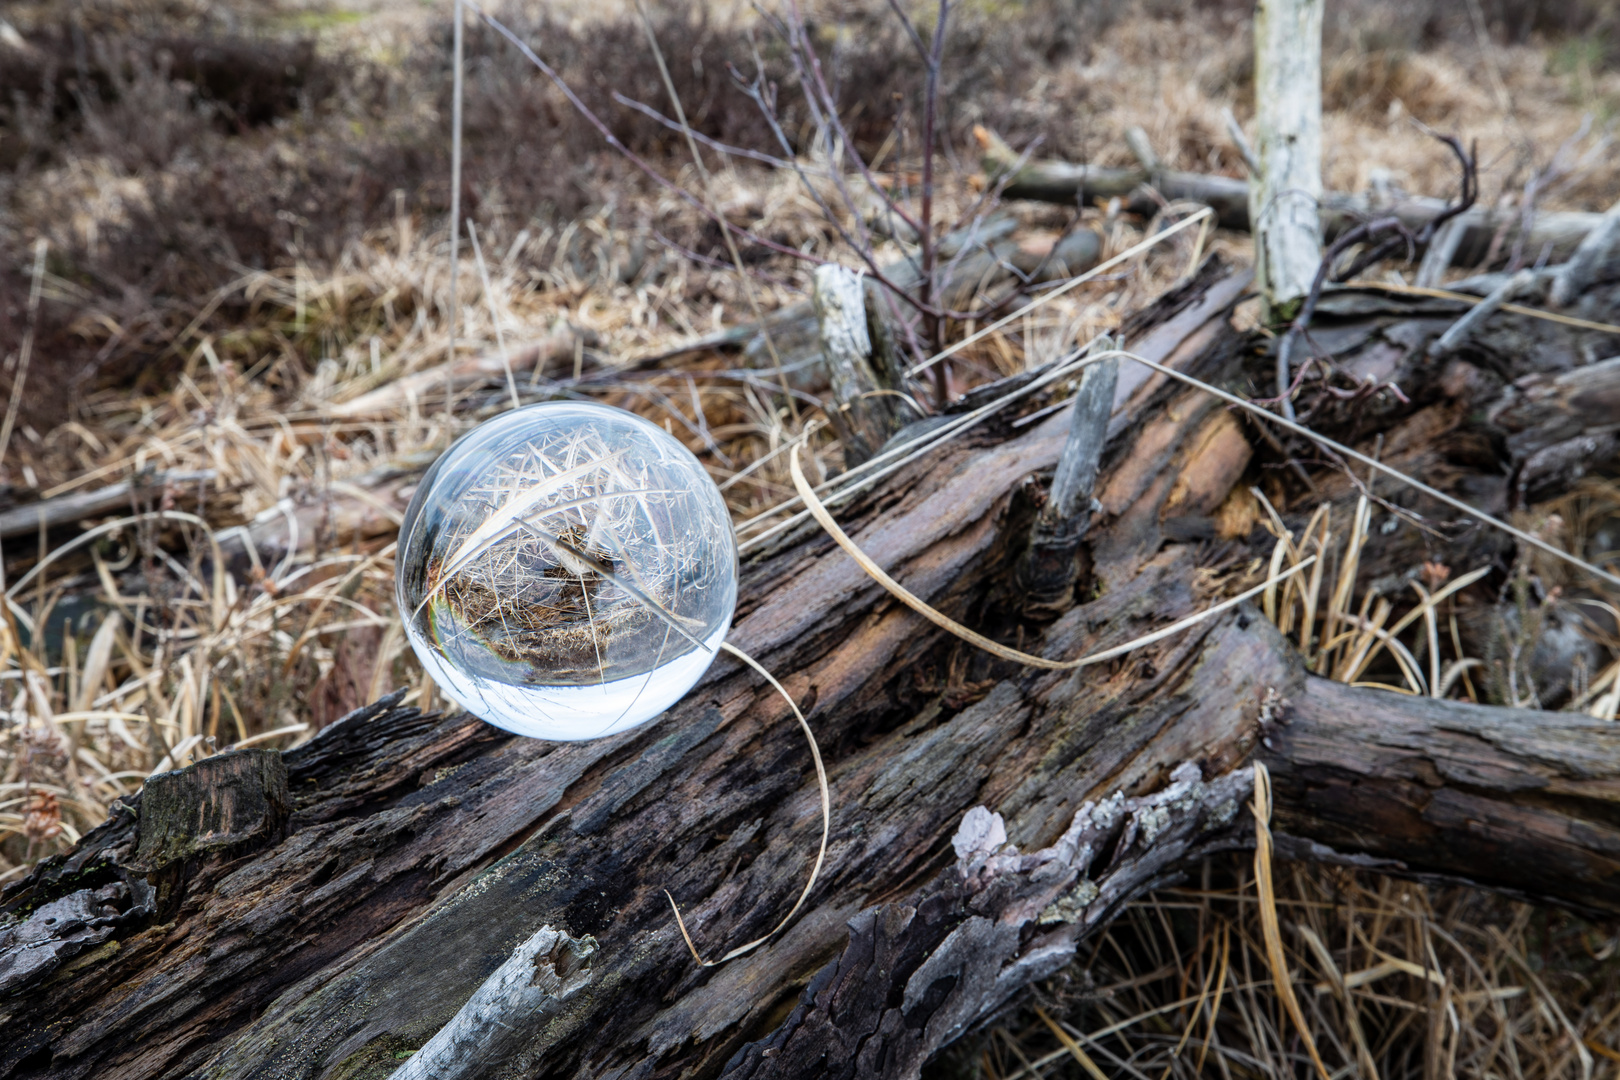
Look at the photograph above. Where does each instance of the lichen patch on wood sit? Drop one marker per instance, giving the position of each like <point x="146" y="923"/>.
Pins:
<point x="219" y="802"/>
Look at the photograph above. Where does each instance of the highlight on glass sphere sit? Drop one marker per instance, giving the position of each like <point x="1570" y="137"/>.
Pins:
<point x="566" y="571"/>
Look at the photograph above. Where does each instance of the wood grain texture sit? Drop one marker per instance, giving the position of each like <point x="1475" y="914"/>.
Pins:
<point x="418" y="854"/>
<point x="1523" y="801"/>
<point x="1283" y="195"/>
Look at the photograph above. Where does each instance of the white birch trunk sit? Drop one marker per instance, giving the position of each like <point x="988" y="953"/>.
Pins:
<point x="1288" y="112"/>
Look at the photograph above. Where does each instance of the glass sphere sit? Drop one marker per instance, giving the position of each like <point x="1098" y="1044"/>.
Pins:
<point x="566" y="571"/>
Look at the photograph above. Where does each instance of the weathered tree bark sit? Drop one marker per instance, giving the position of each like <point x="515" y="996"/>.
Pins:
<point x="411" y="866"/>
<point x="1520" y="800"/>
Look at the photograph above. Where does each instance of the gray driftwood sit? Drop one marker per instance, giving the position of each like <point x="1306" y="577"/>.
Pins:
<point x="986" y="818"/>
<point x="1460" y="331"/>
<point x="1560" y="232"/>
<point x="1574" y="276"/>
<point x="124" y="497"/>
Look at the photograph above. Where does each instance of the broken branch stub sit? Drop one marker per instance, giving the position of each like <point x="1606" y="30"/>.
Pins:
<point x="542" y="973"/>
<point x="1584" y="265"/>
<point x="1050" y="568"/>
<point x="865" y="413"/>
<point x="1288" y="114"/>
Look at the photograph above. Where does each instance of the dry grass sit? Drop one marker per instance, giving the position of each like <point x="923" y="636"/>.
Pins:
<point x="1395" y="980"/>
<point x="196" y="323"/>
<point x="1392" y="978"/>
<point x="201" y="658"/>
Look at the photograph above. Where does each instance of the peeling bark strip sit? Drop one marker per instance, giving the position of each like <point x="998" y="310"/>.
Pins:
<point x="219" y="803"/>
<point x="419" y="854"/>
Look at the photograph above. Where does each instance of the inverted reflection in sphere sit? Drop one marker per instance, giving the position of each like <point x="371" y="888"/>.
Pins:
<point x="566" y="571"/>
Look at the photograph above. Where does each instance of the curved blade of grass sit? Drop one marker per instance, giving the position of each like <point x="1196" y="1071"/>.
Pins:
<point x="995" y="648"/>
<point x="826" y="825"/>
<point x="1269" y="925"/>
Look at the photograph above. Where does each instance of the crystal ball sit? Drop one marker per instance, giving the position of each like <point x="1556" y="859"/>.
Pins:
<point x="566" y="571"/>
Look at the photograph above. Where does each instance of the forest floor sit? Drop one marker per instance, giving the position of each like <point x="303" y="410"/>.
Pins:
<point x="223" y="239"/>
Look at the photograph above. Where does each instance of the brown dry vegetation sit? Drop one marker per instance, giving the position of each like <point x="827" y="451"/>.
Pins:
<point x="237" y="213"/>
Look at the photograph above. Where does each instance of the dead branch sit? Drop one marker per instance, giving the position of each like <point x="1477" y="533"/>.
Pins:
<point x="1063" y="182"/>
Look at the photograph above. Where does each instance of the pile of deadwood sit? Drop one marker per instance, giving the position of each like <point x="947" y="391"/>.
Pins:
<point x="429" y="896"/>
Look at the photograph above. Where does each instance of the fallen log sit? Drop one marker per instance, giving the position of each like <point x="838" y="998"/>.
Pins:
<point x="361" y="511"/>
<point x="406" y="392"/>
<point x="125" y="496"/>
<point x="379" y="897"/>
<point x="1559" y="232"/>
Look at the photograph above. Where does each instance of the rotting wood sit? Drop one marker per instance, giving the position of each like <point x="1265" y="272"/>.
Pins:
<point x="1049" y="570"/>
<point x="222" y="802"/>
<point x="419" y="853"/>
<point x="1452" y="789"/>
